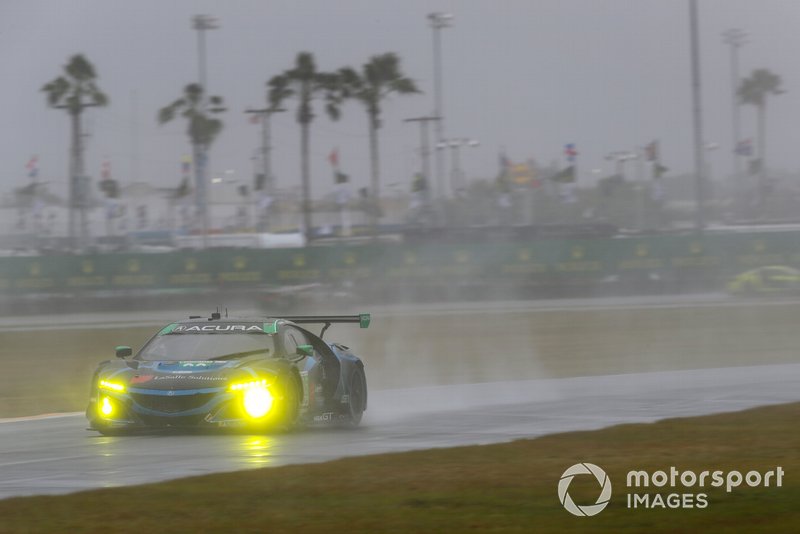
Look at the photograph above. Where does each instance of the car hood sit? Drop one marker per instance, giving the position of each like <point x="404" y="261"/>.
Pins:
<point x="172" y="375"/>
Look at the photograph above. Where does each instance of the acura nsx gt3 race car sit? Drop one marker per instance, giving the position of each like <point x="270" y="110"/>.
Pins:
<point x="248" y="373"/>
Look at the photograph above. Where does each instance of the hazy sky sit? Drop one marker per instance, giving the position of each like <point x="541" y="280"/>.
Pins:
<point x="526" y="75"/>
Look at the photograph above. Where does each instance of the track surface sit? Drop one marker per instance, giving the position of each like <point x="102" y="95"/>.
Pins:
<point x="51" y="455"/>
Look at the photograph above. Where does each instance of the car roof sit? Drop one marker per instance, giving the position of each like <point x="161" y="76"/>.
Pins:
<point x="228" y="320"/>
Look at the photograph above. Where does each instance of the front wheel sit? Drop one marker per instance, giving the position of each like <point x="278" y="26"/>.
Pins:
<point x="290" y="403"/>
<point x="358" y="397"/>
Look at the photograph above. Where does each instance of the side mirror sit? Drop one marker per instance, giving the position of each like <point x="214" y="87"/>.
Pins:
<point x="123" y="351"/>
<point x="305" y="350"/>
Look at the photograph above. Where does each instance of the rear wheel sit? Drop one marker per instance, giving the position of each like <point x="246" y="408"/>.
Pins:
<point x="358" y="396"/>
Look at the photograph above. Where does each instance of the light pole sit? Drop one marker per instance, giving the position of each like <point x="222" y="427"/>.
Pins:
<point x="735" y="38"/>
<point x="456" y="174"/>
<point x="709" y="183"/>
<point x="424" y="149"/>
<point x="437" y="22"/>
<point x="697" y="114"/>
<point x="201" y="23"/>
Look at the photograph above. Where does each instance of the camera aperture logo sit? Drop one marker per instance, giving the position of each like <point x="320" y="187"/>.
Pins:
<point x="674" y="488"/>
<point x="586" y="510"/>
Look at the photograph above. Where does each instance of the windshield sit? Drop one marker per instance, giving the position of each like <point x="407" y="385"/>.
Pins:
<point x="207" y="346"/>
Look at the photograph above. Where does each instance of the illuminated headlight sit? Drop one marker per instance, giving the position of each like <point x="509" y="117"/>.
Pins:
<point x="256" y="398"/>
<point x="111" y="386"/>
<point x="106" y="407"/>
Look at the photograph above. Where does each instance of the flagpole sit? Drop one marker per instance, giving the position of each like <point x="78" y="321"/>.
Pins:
<point x="640" y="209"/>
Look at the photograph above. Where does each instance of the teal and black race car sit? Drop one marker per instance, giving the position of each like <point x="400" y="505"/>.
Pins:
<point x="255" y="374"/>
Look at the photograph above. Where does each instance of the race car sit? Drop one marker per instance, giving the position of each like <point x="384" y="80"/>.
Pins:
<point x="256" y="374"/>
<point x="766" y="280"/>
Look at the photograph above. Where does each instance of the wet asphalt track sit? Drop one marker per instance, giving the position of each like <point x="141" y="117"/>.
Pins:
<point x="53" y="455"/>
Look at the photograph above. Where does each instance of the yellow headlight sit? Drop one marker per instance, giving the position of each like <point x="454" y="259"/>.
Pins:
<point x="239" y="386"/>
<point x="106" y="406"/>
<point x="257" y="402"/>
<point x="256" y="398"/>
<point x="112" y="386"/>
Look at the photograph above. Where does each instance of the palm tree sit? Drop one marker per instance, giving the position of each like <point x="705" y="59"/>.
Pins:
<point x="203" y="129"/>
<point x="75" y="90"/>
<point x="754" y="90"/>
<point x="379" y="77"/>
<point x="304" y="82"/>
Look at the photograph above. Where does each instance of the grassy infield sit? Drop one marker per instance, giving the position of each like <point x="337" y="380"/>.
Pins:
<point x="508" y="487"/>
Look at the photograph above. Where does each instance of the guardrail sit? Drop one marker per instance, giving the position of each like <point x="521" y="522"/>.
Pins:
<point x="680" y="259"/>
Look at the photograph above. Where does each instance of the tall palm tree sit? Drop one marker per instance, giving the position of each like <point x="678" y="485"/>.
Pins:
<point x="304" y="82"/>
<point x="75" y="90"/>
<point x="379" y="77"/>
<point x="202" y="129"/>
<point x="754" y="90"/>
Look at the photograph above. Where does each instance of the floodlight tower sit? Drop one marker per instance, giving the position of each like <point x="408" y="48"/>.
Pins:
<point x="437" y="22"/>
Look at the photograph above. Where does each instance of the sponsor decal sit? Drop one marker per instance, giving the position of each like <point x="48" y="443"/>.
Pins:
<point x="187" y="377"/>
<point x="141" y="379"/>
<point x="584" y="469"/>
<point x="218" y="328"/>
<point x="328" y="417"/>
<point x="673" y="478"/>
<point x="682" y="488"/>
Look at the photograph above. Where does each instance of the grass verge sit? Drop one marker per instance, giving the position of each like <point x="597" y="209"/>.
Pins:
<point x="498" y="488"/>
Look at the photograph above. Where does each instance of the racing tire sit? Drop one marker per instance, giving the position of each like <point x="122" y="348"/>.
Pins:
<point x="291" y="404"/>
<point x="358" y="397"/>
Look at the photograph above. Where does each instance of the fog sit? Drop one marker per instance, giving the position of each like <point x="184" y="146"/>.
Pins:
<point x="561" y="265"/>
<point x="524" y="77"/>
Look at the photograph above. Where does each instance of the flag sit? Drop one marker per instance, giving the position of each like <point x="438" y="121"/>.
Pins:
<point x="744" y="147"/>
<point x="521" y="173"/>
<point x="659" y="170"/>
<point x="341" y="178"/>
<point x="570" y="152"/>
<point x="186" y="164"/>
<point x="33" y="167"/>
<point x="651" y="151"/>
<point x="565" y="176"/>
<point x="754" y="167"/>
<point x="333" y="158"/>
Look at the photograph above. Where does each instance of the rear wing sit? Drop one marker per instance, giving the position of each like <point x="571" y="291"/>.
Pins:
<point x="363" y="320"/>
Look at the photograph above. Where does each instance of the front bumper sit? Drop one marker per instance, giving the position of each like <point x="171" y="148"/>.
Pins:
<point x="162" y="409"/>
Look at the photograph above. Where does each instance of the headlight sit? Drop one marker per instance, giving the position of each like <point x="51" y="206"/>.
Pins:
<point x="239" y="386"/>
<point x="106" y="407"/>
<point x="256" y="398"/>
<point x="111" y="386"/>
